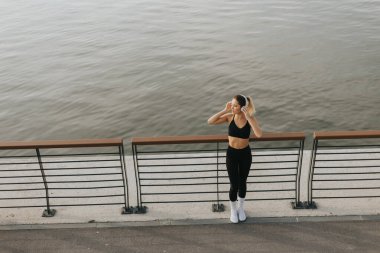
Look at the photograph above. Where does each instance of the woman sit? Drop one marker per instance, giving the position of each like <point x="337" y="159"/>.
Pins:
<point x="239" y="114"/>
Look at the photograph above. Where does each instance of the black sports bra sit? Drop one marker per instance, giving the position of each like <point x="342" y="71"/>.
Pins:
<point x="235" y="131"/>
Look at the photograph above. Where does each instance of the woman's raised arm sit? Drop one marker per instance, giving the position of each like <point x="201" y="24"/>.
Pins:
<point x="220" y="117"/>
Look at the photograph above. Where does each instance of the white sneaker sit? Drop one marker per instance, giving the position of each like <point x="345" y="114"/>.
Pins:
<point x="234" y="215"/>
<point x="240" y="210"/>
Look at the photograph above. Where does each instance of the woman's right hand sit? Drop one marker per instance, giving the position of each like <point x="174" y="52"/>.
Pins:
<point x="228" y="106"/>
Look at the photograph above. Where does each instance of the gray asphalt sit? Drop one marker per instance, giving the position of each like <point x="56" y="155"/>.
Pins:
<point x="338" y="236"/>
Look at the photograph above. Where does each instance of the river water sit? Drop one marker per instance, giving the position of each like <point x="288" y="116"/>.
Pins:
<point x="96" y="69"/>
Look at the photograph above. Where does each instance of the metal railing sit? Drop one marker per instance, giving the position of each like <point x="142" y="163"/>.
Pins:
<point x="344" y="171"/>
<point x="51" y="175"/>
<point x="195" y="170"/>
<point x="185" y="169"/>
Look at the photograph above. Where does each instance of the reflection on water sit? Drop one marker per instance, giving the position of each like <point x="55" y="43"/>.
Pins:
<point x="91" y="69"/>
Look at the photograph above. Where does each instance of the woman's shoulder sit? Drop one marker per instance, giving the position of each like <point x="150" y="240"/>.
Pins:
<point x="229" y="116"/>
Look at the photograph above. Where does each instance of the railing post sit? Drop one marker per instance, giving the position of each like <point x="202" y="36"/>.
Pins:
<point x="139" y="209"/>
<point x="218" y="207"/>
<point x="47" y="212"/>
<point x="298" y="204"/>
<point x="310" y="203"/>
<point x="126" y="209"/>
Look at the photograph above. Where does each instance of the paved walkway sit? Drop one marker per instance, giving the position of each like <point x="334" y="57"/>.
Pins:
<point x="165" y="212"/>
<point x="331" y="236"/>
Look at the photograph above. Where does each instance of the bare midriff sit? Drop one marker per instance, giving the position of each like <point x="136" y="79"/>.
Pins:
<point x="237" y="143"/>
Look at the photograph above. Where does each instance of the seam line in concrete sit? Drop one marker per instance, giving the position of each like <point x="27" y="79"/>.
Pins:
<point x="258" y="220"/>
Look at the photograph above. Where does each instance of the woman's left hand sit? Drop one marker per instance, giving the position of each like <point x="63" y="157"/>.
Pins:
<point x="245" y="111"/>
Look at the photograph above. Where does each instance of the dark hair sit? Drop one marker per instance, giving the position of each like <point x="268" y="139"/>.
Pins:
<point x="240" y="99"/>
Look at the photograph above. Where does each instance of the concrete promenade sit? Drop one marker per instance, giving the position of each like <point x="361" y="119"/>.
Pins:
<point x="190" y="212"/>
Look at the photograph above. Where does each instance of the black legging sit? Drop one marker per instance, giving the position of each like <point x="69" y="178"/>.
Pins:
<point x="238" y="163"/>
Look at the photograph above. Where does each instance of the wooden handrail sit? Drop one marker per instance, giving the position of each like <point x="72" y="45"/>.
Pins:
<point x="61" y="143"/>
<point x="346" y="134"/>
<point x="267" y="136"/>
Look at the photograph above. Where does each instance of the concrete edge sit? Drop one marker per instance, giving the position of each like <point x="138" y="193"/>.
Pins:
<point x="257" y="220"/>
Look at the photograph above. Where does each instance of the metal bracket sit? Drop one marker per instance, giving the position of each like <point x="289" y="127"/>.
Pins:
<point x="49" y="213"/>
<point x="218" y="208"/>
<point x="311" y="205"/>
<point x="298" y="205"/>
<point x="127" y="210"/>
<point x="140" y="209"/>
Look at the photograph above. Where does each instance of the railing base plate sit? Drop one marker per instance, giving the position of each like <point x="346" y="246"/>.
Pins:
<point x="217" y="207"/>
<point x="298" y="205"/>
<point x="127" y="210"/>
<point x="48" y="213"/>
<point x="311" y="205"/>
<point x="140" y="209"/>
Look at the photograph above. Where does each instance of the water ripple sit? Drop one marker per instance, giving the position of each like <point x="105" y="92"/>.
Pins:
<point x="83" y="69"/>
